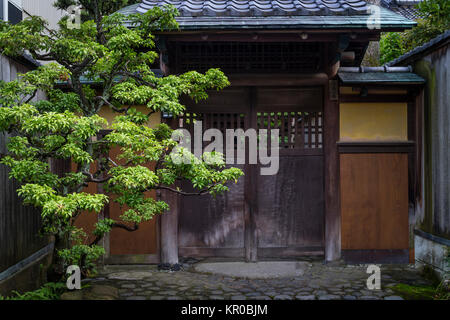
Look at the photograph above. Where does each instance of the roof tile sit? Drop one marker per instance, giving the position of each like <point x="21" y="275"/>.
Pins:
<point x="260" y="7"/>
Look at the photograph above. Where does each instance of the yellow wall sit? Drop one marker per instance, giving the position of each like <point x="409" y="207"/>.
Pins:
<point x="107" y="113"/>
<point x="373" y="122"/>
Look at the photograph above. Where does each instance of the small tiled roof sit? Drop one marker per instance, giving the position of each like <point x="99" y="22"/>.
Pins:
<point x="278" y="14"/>
<point x="380" y="78"/>
<point x="239" y="8"/>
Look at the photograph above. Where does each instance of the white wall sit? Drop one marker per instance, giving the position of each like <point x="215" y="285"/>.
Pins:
<point x="43" y="8"/>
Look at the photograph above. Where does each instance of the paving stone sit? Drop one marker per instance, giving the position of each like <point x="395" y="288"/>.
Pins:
<point x="308" y="297"/>
<point x="393" y="298"/>
<point x="157" y="298"/>
<point x="349" y="297"/>
<point x="238" y="298"/>
<point x="127" y="294"/>
<point x="368" y="298"/>
<point x="135" y="298"/>
<point x="283" y="297"/>
<point x="329" y="297"/>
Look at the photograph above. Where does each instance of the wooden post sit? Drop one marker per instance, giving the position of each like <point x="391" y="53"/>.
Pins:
<point x="332" y="195"/>
<point x="251" y="236"/>
<point x="169" y="228"/>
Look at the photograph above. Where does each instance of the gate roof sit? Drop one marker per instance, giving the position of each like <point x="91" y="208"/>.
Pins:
<point x="278" y="14"/>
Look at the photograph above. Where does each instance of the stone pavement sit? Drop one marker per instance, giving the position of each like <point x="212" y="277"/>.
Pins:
<point x="316" y="281"/>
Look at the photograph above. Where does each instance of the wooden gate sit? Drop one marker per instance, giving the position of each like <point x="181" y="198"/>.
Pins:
<point x="262" y="216"/>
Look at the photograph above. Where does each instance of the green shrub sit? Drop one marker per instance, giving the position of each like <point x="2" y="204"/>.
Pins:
<point x="49" y="291"/>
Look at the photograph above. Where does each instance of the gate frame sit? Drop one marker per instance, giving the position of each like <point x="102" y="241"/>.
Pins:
<point x="332" y="236"/>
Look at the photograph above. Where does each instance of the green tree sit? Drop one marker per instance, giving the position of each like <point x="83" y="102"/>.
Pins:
<point x="435" y="19"/>
<point x="67" y="124"/>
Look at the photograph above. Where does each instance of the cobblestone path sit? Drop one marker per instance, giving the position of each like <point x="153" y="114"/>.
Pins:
<point x="320" y="281"/>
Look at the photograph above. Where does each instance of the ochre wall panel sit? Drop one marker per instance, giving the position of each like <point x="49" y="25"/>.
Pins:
<point x="109" y="115"/>
<point x="373" y="122"/>
<point x="141" y="241"/>
<point x="87" y="220"/>
<point x="374" y="201"/>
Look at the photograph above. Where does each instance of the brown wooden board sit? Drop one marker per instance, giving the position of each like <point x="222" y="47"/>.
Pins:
<point x="290" y="204"/>
<point x="374" y="201"/>
<point x="213" y="222"/>
<point x="143" y="242"/>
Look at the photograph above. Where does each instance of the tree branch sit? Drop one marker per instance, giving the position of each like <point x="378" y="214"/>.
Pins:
<point x="200" y="193"/>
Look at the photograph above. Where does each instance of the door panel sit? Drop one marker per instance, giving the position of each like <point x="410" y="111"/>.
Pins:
<point x="290" y="204"/>
<point x="374" y="201"/>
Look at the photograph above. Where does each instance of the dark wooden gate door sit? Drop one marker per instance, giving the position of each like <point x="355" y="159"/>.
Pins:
<point x="277" y="215"/>
<point x="289" y="206"/>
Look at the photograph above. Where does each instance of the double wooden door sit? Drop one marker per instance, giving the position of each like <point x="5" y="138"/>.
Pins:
<point x="261" y="216"/>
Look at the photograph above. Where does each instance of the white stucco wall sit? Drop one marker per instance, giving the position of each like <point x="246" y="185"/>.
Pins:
<point x="43" y="8"/>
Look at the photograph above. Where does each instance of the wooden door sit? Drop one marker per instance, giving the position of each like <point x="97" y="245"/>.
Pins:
<point x="261" y="216"/>
<point x="215" y="226"/>
<point x="289" y="213"/>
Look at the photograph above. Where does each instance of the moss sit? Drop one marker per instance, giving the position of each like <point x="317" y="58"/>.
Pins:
<point x="409" y="292"/>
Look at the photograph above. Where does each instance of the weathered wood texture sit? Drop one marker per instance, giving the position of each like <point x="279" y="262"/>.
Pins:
<point x="331" y="176"/>
<point x="277" y="215"/>
<point x="374" y="201"/>
<point x="433" y="212"/>
<point x="290" y="204"/>
<point x="216" y="222"/>
<point x="19" y="225"/>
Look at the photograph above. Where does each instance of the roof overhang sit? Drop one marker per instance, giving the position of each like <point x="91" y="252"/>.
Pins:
<point x="381" y="20"/>
<point x="380" y="78"/>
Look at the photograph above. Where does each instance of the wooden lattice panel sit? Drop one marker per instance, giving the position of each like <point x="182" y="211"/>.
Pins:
<point x="241" y="57"/>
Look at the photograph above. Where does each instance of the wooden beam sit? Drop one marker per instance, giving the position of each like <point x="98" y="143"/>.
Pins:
<point x="375" y="98"/>
<point x="332" y="194"/>
<point x="313" y="79"/>
<point x="376" y="147"/>
<point x="250" y="194"/>
<point x="269" y="35"/>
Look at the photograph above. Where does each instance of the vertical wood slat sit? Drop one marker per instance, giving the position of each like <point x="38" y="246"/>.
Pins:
<point x="316" y="122"/>
<point x="19" y="224"/>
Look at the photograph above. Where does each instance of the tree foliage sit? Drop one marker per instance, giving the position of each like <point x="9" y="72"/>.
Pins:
<point x="435" y="20"/>
<point x="66" y="126"/>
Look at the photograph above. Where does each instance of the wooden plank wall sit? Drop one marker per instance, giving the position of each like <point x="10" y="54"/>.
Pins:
<point x="374" y="201"/>
<point x="19" y="225"/>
